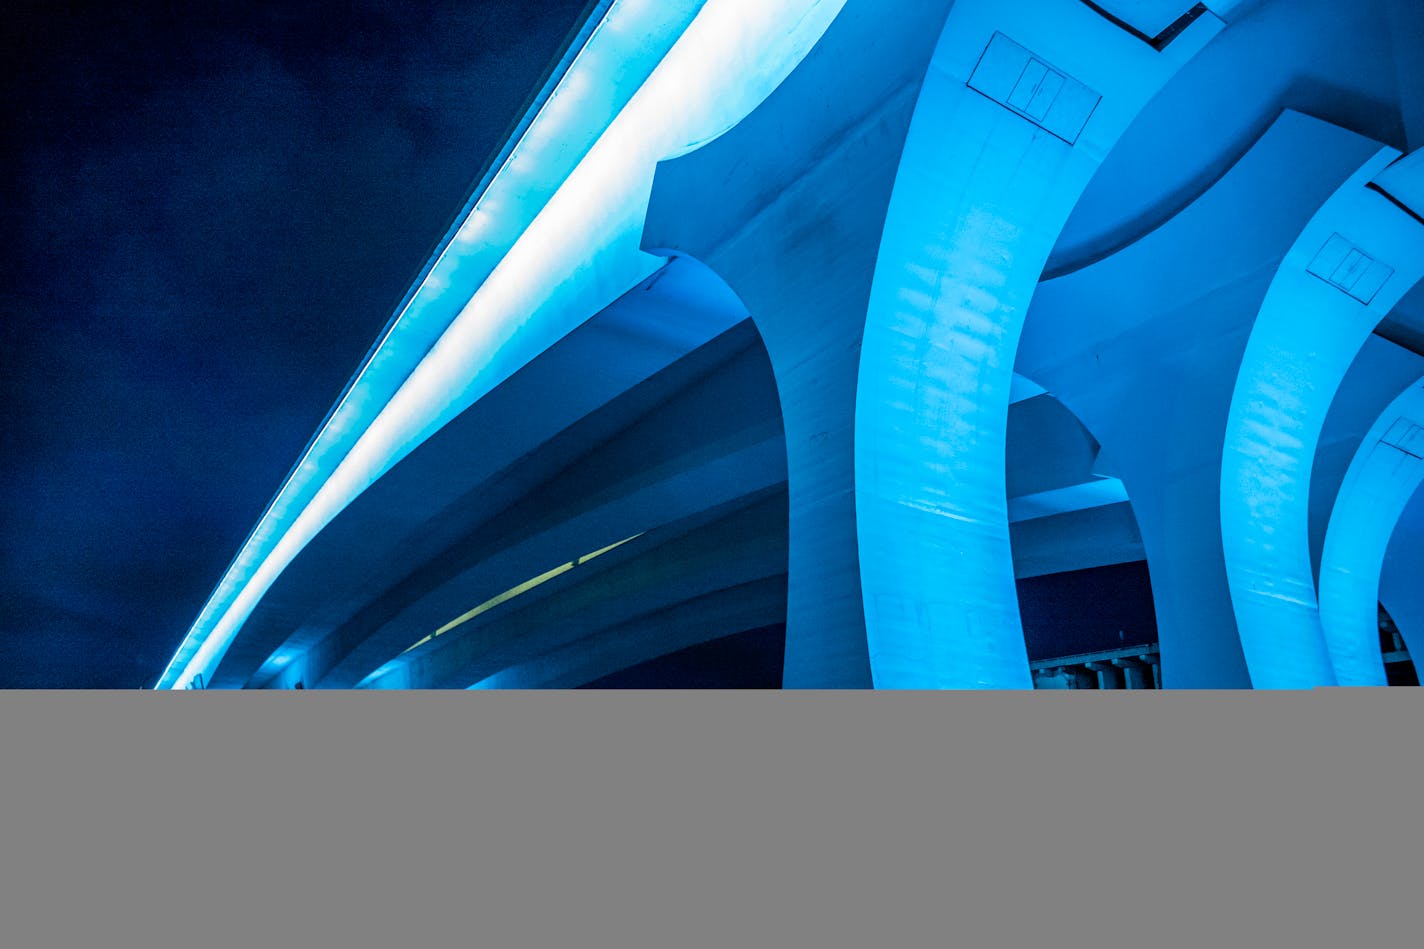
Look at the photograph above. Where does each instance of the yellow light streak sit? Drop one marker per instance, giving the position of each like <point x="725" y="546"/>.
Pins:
<point x="521" y="588"/>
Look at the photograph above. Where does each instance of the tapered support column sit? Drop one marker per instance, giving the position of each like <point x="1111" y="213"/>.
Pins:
<point x="1382" y="370"/>
<point x="1144" y="348"/>
<point x="1021" y="104"/>
<point x="1384" y="475"/>
<point x="1358" y="255"/>
<point x="1400" y="591"/>
<point x="1012" y="115"/>
<point x="788" y="207"/>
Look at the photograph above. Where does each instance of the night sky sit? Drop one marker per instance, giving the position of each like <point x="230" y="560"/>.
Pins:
<point x="211" y="211"/>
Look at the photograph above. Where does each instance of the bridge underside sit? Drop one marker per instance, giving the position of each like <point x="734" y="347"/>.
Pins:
<point x="619" y="501"/>
<point x="990" y="346"/>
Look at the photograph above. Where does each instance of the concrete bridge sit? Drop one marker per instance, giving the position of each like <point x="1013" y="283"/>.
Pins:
<point x="836" y="320"/>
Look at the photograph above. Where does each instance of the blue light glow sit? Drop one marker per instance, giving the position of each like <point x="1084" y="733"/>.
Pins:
<point x="980" y="197"/>
<point x="1311" y="325"/>
<point x="1381" y="479"/>
<point x="561" y="256"/>
<point x="884" y="209"/>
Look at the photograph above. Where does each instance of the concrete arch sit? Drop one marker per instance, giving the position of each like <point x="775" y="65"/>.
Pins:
<point x="793" y="208"/>
<point x="1384" y="475"/>
<point x="990" y="171"/>
<point x="1382" y="370"/>
<point x="1359" y="254"/>
<point x="879" y="194"/>
<point x="1144" y="347"/>
<point x="1401" y="593"/>
<point x="788" y="208"/>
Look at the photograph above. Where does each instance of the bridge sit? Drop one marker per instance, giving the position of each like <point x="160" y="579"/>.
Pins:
<point x="829" y="324"/>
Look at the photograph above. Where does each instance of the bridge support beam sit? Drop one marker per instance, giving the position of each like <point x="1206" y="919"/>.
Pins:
<point x="892" y="322"/>
<point x="788" y="207"/>
<point x="1385" y="474"/>
<point x="1020" y="105"/>
<point x="1144" y="347"/>
<point x="1356" y="258"/>
<point x="1399" y="588"/>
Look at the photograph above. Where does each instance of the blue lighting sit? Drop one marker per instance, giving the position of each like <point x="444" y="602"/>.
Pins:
<point x="1384" y="474"/>
<point x="543" y="248"/>
<point x="1354" y="260"/>
<point x="983" y="190"/>
<point x="875" y="210"/>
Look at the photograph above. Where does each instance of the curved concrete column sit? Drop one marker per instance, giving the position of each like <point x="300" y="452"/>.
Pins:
<point x="1399" y="588"/>
<point x="1144" y="347"/>
<point x="1358" y="255"/>
<point x="1378" y="485"/>
<point x="788" y="207"/>
<point x="1020" y="104"/>
<point x="1382" y="370"/>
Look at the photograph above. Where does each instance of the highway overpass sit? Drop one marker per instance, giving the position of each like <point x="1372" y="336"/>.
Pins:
<point x="829" y="328"/>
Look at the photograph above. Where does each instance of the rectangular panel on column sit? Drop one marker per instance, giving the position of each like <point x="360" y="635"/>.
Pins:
<point x="1405" y="435"/>
<point x="1347" y="268"/>
<point x="1028" y="86"/>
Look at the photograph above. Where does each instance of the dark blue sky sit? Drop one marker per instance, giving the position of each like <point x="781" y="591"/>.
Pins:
<point x="210" y="212"/>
